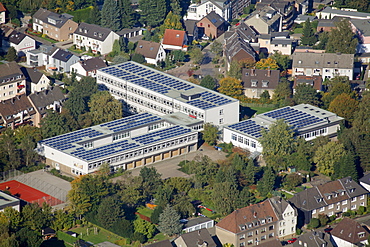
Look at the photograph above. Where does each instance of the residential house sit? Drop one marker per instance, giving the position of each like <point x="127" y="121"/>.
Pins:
<point x="16" y="111"/>
<point x="286" y="8"/>
<point x="244" y="31"/>
<point x="308" y="122"/>
<point x="330" y="13"/>
<point x="326" y="25"/>
<point x="198" y="223"/>
<point x="35" y="80"/>
<point x="12" y="81"/>
<point x="256" y="81"/>
<point x="152" y="51"/>
<point x="40" y="56"/>
<point x="56" y="26"/>
<point x="129" y="33"/>
<point x="314" y="81"/>
<point x="303" y="18"/>
<point x="197" y="11"/>
<point x="318" y="3"/>
<point x="314" y="239"/>
<point x="191" y="30"/>
<point x="237" y="45"/>
<point x="195" y="239"/>
<point x="272" y="243"/>
<point x="276" y="42"/>
<point x="362" y="30"/>
<point x="99" y="39"/>
<point x="163" y="243"/>
<point x="259" y="223"/>
<point x="349" y="233"/>
<point x="326" y="65"/>
<point x="212" y="26"/>
<point x="87" y="67"/>
<point x="61" y="61"/>
<point x="21" y="42"/>
<point x="365" y="182"/>
<point x="2" y="14"/>
<point x="175" y="40"/>
<point x="9" y="201"/>
<point x="48" y="99"/>
<point x="332" y="198"/>
<point x="265" y="20"/>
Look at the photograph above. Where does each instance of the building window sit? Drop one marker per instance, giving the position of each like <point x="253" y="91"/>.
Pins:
<point x="221" y="121"/>
<point x="322" y="209"/>
<point x="362" y="197"/>
<point x="254" y="83"/>
<point x="250" y="234"/>
<point x="87" y="145"/>
<point x="344" y="202"/>
<point x="242" y="237"/>
<point x="222" y="112"/>
<point x="242" y="244"/>
<point x="246" y="141"/>
<point x="240" y="139"/>
<point x="354" y="199"/>
<point x="331" y="206"/>
<point x="121" y="136"/>
<point x="233" y="137"/>
<point x="353" y="207"/>
<point x="253" y="144"/>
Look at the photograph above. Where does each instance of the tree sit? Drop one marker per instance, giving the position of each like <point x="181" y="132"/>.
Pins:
<point x="346" y="167"/>
<point x="144" y="227"/>
<point x="335" y="87"/>
<point x="11" y="55"/>
<point x="314" y="223"/>
<point x="127" y="13"/>
<point x="265" y="96"/>
<point x="308" y="35"/>
<point x="110" y="15"/>
<point x="342" y="39"/>
<point x="14" y="218"/>
<point x="177" y="55"/>
<point x="154" y="218"/>
<point x="282" y="93"/>
<point x="344" y="106"/>
<point x="292" y="180"/>
<point x="361" y="122"/>
<point x="62" y="220"/>
<point x="136" y="57"/>
<point x="151" y="180"/>
<point x="172" y="21"/>
<point x="176" y="7"/>
<point x="210" y="134"/>
<point x="323" y="41"/>
<point x="9" y="149"/>
<point x="327" y="156"/>
<point x="267" y="182"/>
<point x="29" y="237"/>
<point x="35" y="217"/>
<point x="306" y="94"/>
<point x="267" y="63"/>
<point x="53" y="124"/>
<point x="130" y="191"/>
<point x="153" y="12"/>
<point x="121" y="59"/>
<point x="278" y="142"/>
<point x="208" y="82"/>
<point x="169" y="222"/>
<point x="225" y="197"/>
<point x="235" y="70"/>
<point x="94" y="15"/>
<point x="216" y="48"/>
<point x="104" y="107"/>
<point x="109" y="211"/>
<point x="27" y="146"/>
<point x="283" y="61"/>
<point x="196" y="55"/>
<point x="231" y="87"/>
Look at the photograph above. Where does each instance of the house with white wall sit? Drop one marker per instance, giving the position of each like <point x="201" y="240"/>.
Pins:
<point x="2" y="14"/>
<point x="349" y="233"/>
<point x="21" y="42"/>
<point x="152" y="51"/>
<point x="87" y="67"/>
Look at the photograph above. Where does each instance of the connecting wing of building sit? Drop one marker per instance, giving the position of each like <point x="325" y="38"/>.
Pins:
<point x="143" y="89"/>
<point x="124" y="143"/>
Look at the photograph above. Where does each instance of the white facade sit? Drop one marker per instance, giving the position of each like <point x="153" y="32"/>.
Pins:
<point x="287" y="226"/>
<point x="161" y="56"/>
<point x="242" y="140"/>
<point x="198" y="11"/>
<point x="27" y="44"/>
<point x="8" y="201"/>
<point x="343" y="243"/>
<point x="41" y="85"/>
<point x="104" y="47"/>
<point x="140" y="98"/>
<point x="2" y="17"/>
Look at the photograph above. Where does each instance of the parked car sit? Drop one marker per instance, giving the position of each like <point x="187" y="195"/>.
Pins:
<point x="292" y="240"/>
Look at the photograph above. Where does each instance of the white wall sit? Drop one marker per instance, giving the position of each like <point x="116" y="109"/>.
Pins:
<point x="104" y="47"/>
<point x="27" y="44"/>
<point x="227" y="138"/>
<point x="43" y="83"/>
<point x="287" y="226"/>
<point x="204" y="9"/>
<point x="342" y="243"/>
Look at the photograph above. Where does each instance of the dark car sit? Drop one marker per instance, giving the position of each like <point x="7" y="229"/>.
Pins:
<point x="327" y="230"/>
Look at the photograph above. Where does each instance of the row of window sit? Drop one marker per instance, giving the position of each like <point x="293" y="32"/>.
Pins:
<point x="315" y="133"/>
<point x="345" y="202"/>
<point x="256" y="240"/>
<point x="121" y="136"/>
<point x="143" y="151"/>
<point x="11" y="79"/>
<point x="157" y="126"/>
<point x="244" y="140"/>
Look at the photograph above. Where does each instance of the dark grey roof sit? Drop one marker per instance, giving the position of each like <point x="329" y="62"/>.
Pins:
<point x="196" y="221"/>
<point x="164" y="243"/>
<point x="365" y="179"/>
<point x="47" y="97"/>
<point x="16" y="37"/>
<point x="62" y="55"/>
<point x="93" y="64"/>
<point x="308" y="199"/>
<point x="93" y="31"/>
<point x="197" y="238"/>
<point x="32" y="75"/>
<point x="260" y="76"/>
<point x="243" y="30"/>
<point x="128" y="30"/>
<point x="234" y="44"/>
<point x="322" y="60"/>
<point x="350" y="231"/>
<point x="350" y="185"/>
<point x="190" y="26"/>
<point x="279" y="206"/>
<point x="313" y="239"/>
<point x="215" y="19"/>
<point x="46" y="15"/>
<point x="9" y="70"/>
<point x="282" y="41"/>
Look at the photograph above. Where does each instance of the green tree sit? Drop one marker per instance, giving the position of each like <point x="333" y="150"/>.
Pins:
<point x="208" y="82"/>
<point x="154" y="218"/>
<point x="11" y="55"/>
<point x="323" y="41"/>
<point x="344" y="106"/>
<point x="345" y="167"/>
<point x="210" y="134"/>
<point x="267" y="182"/>
<point x="136" y="57"/>
<point x="216" y="48"/>
<point x="308" y="34"/>
<point x="144" y="227"/>
<point x="14" y="218"/>
<point x="169" y="222"/>
<point x="235" y="70"/>
<point x="282" y="93"/>
<point x="130" y="190"/>
<point x="265" y="96"/>
<point x="94" y="15"/>
<point x="361" y="122"/>
<point x="178" y="55"/>
<point x="283" y="61"/>
<point x="121" y="59"/>
<point x="306" y="94"/>
<point x="153" y="12"/>
<point x="9" y="149"/>
<point x="151" y="180"/>
<point x="336" y="86"/>
<point x="292" y="180"/>
<point x="62" y="220"/>
<point x="172" y="21"/>
<point x="27" y="146"/>
<point x="196" y="55"/>
<point x="29" y="237"/>
<point x="176" y="7"/>
<point x="104" y="107"/>
<point x="109" y="211"/>
<point x="111" y="15"/>
<point x="231" y="87"/>
<point x="53" y="124"/>
<point x="314" y="223"/>
<point x="36" y="217"/>
<point x="127" y="13"/>
<point x="342" y="39"/>
<point x="225" y="197"/>
<point x="327" y="156"/>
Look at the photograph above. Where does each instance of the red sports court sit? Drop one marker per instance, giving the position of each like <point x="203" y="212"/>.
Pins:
<point x="28" y="194"/>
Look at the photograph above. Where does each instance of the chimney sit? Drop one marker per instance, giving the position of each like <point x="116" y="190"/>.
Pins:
<point x="255" y="214"/>
<point x="269" y="72"/>
<point x="252" y="71"/>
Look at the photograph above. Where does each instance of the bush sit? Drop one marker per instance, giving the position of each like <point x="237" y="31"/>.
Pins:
<point x="361" y="210"/>
<point x="332" y="218"/>
<point x="137" y="236"/>
<point x="346" y="214"/>
<point x="314" y="223"/>
<point x="298" y="231"/>
<point x="324" y="219"/>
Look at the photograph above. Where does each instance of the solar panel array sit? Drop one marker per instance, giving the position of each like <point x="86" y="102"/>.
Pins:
<point x="161" y="135"/>
<point x="248" y="127"/>
<point x="64" y="142"/>
<point x="293" y="117"/>
<point x="161" y="83"/>
<point x="100" y="152"/>
<point x="131" y="122"/>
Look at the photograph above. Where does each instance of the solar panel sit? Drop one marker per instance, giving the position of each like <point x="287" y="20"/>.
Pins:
<point x="248" y="127"/>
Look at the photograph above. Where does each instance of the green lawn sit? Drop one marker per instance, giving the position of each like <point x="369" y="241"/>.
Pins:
<point x="145" y="211"/>
<point x="298" y="30"/>
<point x="287" y="195"/>
<point x="260" y="110"/>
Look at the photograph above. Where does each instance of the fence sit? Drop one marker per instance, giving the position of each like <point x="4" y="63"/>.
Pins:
<point x="9" y="175"/>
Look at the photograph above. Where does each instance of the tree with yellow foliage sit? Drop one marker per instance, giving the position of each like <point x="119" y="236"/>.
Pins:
<point x="172" y="21"/>
<point x="231" y="87"/>
<point x="267" y="63"/>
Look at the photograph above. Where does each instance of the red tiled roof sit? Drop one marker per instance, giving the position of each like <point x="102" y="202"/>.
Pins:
<point x="246" y="215"/>
<point x="2" y="8"/>
<point x="173" y="37"/>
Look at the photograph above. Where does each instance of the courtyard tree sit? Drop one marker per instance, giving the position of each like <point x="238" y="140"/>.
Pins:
<point x="210" y="134"/>
<point x="231" y="87"/>
<point x="327" y="156"/>
<point x="342" y="39"/>
<point x="104" y="108"/>
<point x="169" y="222"/>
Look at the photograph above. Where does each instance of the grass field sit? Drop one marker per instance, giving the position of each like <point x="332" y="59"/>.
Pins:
<point x="145" y="211"/>
<point x="260" y="110"/>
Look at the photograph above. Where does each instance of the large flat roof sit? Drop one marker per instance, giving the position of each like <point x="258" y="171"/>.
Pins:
<point x="6" y="199"/>
<point x="73" y="143"/>
<point x="168" y="85"/>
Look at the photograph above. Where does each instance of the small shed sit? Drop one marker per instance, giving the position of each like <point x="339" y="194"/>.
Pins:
<point x="73" y="234"/>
